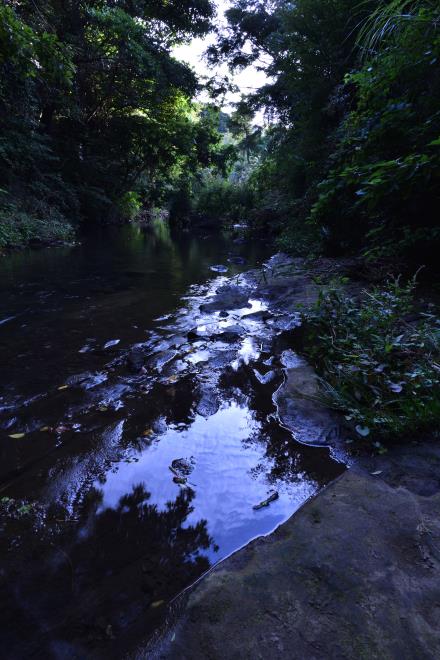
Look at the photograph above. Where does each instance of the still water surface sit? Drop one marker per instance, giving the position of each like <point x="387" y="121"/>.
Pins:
<point x="145" y="435"/>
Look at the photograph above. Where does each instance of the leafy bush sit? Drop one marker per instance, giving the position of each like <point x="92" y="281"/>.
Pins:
<point x="224" y="200"/>
<point x="382" y="193"/>
<point x="378" y="366"/>
<point x="18" y="228"/>
<point x="129" y="205"/>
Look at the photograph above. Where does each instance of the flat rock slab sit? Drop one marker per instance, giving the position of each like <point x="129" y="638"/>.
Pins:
<point x="227" y="297"/>
<point x="354" y="574"/>
<point x="300" y="410"/>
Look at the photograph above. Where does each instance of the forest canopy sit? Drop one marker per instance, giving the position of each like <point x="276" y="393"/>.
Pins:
<point x="351" y="160"/>
<point x="98" y="120"/>
<point x="95" y="113"/>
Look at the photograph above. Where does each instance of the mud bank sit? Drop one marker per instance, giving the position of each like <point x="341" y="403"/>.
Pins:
<point x="353" y="574"/>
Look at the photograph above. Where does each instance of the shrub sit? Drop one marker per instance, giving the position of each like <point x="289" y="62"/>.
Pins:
<point x="19" y="228"/>
<point x="225" y="200"/>
<point x="129" y="205"/>
<point x="378" y="365"/>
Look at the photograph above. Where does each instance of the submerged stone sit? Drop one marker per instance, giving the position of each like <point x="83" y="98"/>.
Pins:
<point x="227" y="297"/>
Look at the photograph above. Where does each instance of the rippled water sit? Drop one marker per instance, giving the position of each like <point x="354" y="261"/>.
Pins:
<point x="138" y="434"/>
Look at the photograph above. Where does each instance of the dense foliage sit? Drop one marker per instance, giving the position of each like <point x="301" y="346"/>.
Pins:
<point x="351" y="160"/>
<point x="95" y="114"/>
<point x="379" y="358"/>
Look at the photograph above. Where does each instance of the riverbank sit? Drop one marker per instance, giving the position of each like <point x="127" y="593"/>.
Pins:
<point x="139" y="436"/>
<point x="19" y="231"/>
<point x="353" y="574"/>
<point x="153" y="422"/>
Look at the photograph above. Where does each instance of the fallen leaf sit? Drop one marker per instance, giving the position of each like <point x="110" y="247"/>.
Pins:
<point x="376" y="473"/>
<point x="147" y="433"/>
<point x="17" y="436"/>
<point x="63" y="387"/>
<point x="157" y="603"/>
<point x="45" y="428"/>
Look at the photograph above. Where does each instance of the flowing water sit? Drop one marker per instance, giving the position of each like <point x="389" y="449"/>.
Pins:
<point x="137" y="435"/>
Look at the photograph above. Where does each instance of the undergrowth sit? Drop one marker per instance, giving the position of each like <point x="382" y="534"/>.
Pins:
<point x="19" y="228"/>
<point x="378" y="358"/>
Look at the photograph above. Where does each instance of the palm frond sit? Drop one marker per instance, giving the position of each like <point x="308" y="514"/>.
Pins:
<point x="391" y="17"/>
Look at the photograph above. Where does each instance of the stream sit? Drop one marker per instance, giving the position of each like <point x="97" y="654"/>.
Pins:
<point x="139" y="439"/>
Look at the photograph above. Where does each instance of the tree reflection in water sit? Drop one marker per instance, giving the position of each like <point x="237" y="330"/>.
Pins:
<point x="110" y="578"/>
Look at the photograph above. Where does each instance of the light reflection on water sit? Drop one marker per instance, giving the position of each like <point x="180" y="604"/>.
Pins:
<point x="116" y="534"/>
<point x="226" y="449"/>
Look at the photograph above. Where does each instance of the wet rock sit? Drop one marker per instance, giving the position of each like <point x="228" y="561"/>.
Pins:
<point x="229" y="296"/>
<point x="287" y="322"/>
<point x="180" y="481"/>
<point x="198" y="356"/>
<point x="231" y="333"/>
<point x="110" y="396"/>
<point x="281" y="260"/>
<point x="87" y="380"/>
<point x="221" y="359"/>
<point x="223" y="314"/>
<point x="291" y="360"/>
<point x="300" y="405"/>
<point x="196" y="334"/>
<point x="266" y="378"/>
<point x="208" y="404"/>
<point x="261" y="315"/>
<point x="182" y="467"/>
<point x="354" y="574"/>
<point x="136" y="358"/>
<point x="159" y="360"/>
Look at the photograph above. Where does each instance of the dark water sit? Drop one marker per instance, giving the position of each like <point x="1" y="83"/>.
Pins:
<point x="141" y="447"/>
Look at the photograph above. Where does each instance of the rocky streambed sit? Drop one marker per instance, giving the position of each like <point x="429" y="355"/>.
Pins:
<point x="129" y="487"/>
<point x="124" y="482"/>
<point x="354" y="573"/>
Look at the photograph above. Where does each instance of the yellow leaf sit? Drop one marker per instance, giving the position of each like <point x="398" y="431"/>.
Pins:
<point x="147" y="433"/>
<point x="45" y="428"/>
<point x="17" y="436"/>
<point x="63" y="387"/>
<point x="157" y="603"/>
